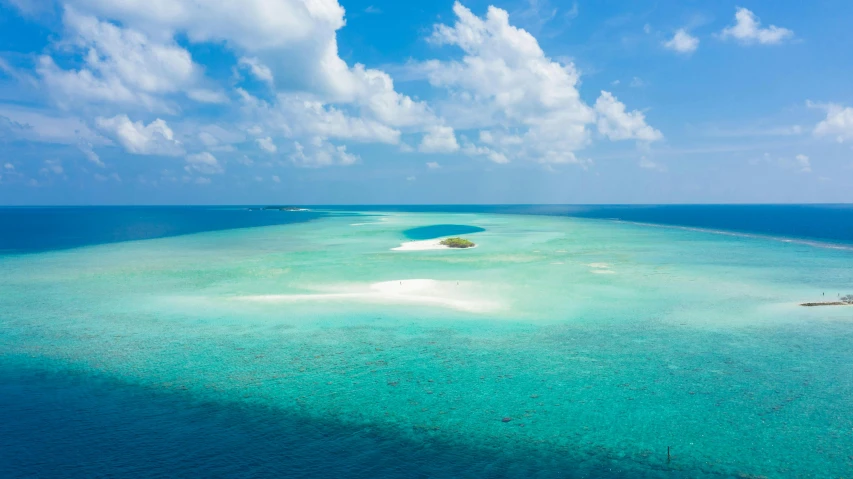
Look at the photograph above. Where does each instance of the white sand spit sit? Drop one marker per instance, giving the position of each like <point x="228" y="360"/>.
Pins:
<point x="420" y="245"/>
<point x="425" y="245"/>
<point x="428" y="292"/>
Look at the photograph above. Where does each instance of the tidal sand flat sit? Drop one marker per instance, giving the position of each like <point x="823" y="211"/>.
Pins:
<point x="314" y="350"/>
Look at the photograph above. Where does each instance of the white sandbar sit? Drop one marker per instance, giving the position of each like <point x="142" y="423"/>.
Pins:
<point x="448" y="294"/>
<point x="420" y="245"/>
<point x="424" y="245"/>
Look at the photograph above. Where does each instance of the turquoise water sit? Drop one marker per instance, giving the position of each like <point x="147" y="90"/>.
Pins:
<point x="438" y="231"/>
<point x="602" y="343"/>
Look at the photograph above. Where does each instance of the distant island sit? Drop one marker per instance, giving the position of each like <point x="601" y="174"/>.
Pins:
<point x="457" y="243"/>
<point x="283" y="208"/>
<point x="843" y="301"/>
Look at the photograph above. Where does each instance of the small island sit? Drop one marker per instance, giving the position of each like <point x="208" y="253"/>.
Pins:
<point x="843" y="301"/>
<point x="457" y="243"/>
<point x="283" y="208"/>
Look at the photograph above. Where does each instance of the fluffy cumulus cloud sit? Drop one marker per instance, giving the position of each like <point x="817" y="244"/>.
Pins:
<point x="267" y="144"/>
<point x="155" y="138"/>
<point x="257" y="69"/>
<point x="317" y="153"/>
<point x="295" y="39"/>
<point x="204" y="163"/>
<point x="747" y="29"/>
<point x="292" y="96"/>
<point x="439" y="139"/>
<point x="120" y="66"/>
<point x="838" y="123"/>
<point x="616" y="123"/>
<point x="682" y="42"/>
<point x="524" y="104"/>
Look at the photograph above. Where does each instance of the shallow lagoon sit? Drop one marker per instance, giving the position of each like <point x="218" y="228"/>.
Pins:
<point x="603" y="343"/>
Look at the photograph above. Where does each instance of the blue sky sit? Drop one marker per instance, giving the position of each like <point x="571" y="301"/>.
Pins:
<point x="336" y="101"/>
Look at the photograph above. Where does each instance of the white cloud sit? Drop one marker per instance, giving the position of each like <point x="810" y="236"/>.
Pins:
<point x="249" y="24"/>
<point x="682" y="42"/>
<point x="747" y="29"/>
<point x="276" y="179"/>
<point x="804" y="163"/>
<point x="318" y="152"/>
<point x="618" y="124"/>
<point x="267" y="144"/>
<point x="288" y="37"/>
<point x="214" y="137"/>
<point x="120" y="66"/>
<point x="17" y="74"/>
<point x="838" y="123"/>
<point x="52" y="167"/>
<point x="439" y="139"/>
<point x="525" y="104"/>
<point x="411" y="178"/>
<point x="433" y="165"/>
<point x="9" y="166"/>
<point x="86" y="148"/>
<point x="800" y="163"/>
<point x="156" y="138"/>
<point x="132" y="58"/>
<point x="302" y="116"/>
<point x="257" y="69"/>
<point x="42" y="126"/>
<point x="203" y="95"/>
<point x="204" y="163"/>
<point x="495" y="156"/>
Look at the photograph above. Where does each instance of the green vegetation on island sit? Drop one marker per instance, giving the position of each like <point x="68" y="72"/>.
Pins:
<point x="457" y="243"/>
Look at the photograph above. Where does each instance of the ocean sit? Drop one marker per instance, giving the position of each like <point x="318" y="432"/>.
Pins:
<point x="572" y="341"/>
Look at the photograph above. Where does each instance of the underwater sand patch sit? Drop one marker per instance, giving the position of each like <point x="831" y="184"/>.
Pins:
<point x="600" y="268"/>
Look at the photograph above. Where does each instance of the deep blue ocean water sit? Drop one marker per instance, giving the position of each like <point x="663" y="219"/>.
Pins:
<point x="61" y="424"/>
<point x="34" y="229"/>
<point x="825" y="223"/>
<point x="70" y="425"/>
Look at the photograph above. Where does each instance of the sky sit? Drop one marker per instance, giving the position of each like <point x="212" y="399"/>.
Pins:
<point x="390" y="102"/>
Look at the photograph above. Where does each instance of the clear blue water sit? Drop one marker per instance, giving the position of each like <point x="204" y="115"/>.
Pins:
<point x="438" y="231"/>
<point x="829" y="223"/>
<point x="34" y="229"/>
<point x="119" y="357"/>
